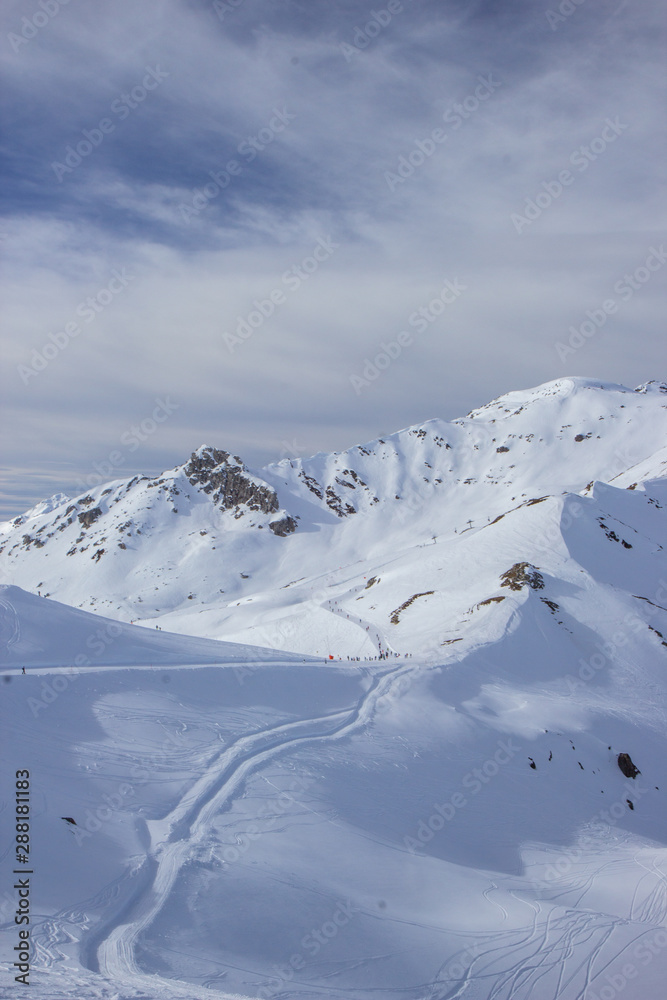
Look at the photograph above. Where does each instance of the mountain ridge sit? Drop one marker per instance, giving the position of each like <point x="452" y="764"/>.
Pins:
<point x="217" y="549"/>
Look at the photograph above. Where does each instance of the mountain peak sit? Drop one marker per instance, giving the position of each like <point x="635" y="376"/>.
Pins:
<point x="216" y="540"/>
<point x="652" y="386"/>
<point x="230" y="484"/>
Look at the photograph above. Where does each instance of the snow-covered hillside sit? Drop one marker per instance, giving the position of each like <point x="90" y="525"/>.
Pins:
<point x="286" y="556"/>
<point x="38" y="632"/>
<point x="449" y="822"/>
<point x="402" y="829"/>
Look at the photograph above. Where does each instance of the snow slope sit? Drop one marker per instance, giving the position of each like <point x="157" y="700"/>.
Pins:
<point x="353" y="829"/>
<point x="37" y="632"/>
<point x="448" y="824"/>
<point x="194" y="550"/>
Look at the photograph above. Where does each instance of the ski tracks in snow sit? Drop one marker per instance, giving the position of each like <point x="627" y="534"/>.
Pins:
<point x="174" y="839"/>
<point x="374" y="633"/>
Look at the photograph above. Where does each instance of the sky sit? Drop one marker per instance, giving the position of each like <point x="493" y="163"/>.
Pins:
<point x="282" y="227"/>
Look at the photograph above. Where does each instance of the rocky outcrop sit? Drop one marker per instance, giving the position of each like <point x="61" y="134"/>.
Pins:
<point x="522" y="575"/>
<point x="227" y="479"/>
<point x="396" y="613"/>
<point x="338" y="506"/>
<point x="88" y="517"/>
<point x="284" y="526"/>
<point x="626" y="765"/>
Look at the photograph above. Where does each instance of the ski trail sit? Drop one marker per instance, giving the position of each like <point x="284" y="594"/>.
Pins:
<point x="176" y="825"/>
<point x="54" y="930"/>
<point x="190" y="819"/>
<point x="374" y="634"/>
<point x="653" y="907"/>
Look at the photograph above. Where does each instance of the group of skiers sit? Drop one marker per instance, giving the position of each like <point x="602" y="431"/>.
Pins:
<point x="380" y="656"/>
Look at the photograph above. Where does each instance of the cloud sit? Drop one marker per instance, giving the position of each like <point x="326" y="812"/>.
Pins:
<point x="314" y="132"/>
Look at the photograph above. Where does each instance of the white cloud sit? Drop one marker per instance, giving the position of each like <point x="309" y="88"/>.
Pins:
<point x="323" y="176"/>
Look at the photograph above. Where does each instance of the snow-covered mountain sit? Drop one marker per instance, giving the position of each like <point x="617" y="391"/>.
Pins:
<point x="37" y="632"/>
<point x="404" y="535"/>
<point x="483" y="819"/>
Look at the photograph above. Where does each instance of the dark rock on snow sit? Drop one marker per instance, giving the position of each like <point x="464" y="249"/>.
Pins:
<point x="626" y="766"/>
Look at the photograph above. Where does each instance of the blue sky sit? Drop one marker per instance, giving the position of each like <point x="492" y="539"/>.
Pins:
<point x="218" y="216"/>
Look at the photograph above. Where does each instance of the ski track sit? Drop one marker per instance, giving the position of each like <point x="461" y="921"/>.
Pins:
<point x="540" y="960"/>
<point x="174" y="838"/>
<point x="376" y="636"/>
<point x="549" y="954"/>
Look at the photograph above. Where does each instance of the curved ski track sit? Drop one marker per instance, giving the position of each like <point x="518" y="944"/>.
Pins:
<point x="172" y="839"/>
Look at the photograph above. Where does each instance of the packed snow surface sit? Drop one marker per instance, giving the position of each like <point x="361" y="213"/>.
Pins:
<point x="436" y="813"/>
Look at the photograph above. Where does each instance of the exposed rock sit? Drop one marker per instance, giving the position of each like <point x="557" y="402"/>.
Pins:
<point x="212" y="471"/>
<point x="626" y="766"/>
<point x="521" y="575"/>
<point x="396" y="614"/>
<point x="312" y="484"/>
<point x="285" y="526"/>
<point x="87" y="517"/>
<point x="335" y="503"/>
<point x="490" y="600"/>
